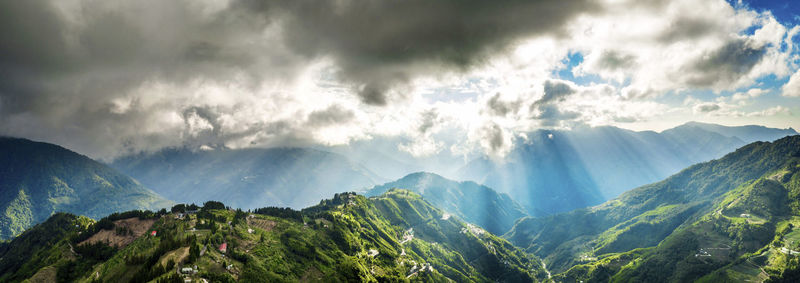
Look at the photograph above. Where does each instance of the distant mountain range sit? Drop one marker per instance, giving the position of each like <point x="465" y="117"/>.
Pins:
<point x="394" y="237"/>
<point x="248" y="178"/>
<point x="554" y="171"/>
<point x="731" y="219"/>
<point x="469" y="201"/>
<point x="39" y="179"/>
<point x="734" y="219"/>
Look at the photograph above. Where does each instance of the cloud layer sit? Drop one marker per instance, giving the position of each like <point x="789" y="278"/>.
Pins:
<point x="111" y="77"/>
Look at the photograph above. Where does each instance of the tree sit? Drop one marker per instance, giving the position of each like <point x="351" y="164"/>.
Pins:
<point x="179" y="208"/>
<point x="213" y="205"/>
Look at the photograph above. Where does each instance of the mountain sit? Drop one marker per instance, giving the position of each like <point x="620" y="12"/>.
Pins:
<point x="393" y="237"/>
<point x="732" y="219"/>
<point x="467" y="200"/>
<point x="748" y="134"/>
<point x="553" y="171"/>
<point x="247" y="178"/>
<point x="38" y="179"/>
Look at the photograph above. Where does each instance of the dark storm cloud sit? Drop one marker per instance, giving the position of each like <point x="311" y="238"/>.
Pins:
<point x="64" y="64"/>
<point x="726" y="64"/>
<point x="383" y="43"/>
<point x="546" y="109"/>
<point x="555" y="91"/>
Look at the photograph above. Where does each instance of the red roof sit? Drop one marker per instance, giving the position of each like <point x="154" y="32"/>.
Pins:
<point x="224" y="247"/>
<point x="153" y="233"/>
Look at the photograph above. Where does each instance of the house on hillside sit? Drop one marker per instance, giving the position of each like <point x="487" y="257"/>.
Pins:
<point x="154" y="233"/>
<point x="223" y="248"/>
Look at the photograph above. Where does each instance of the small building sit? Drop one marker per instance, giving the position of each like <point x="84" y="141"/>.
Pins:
<point x="744" y="215"/>
<point x="187" y="270"/>
<point x="223" y="248"/>
<point x="154" y="233"/>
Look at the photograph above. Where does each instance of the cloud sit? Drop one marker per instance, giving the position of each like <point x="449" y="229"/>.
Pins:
<point x="554" y="91"/>
<point x="379" y="44"/>
<point x="724" y="66"/>
<point x="494" y="139"/>
<point x="333" y="115"/>
<point x="706" y="107"/>
<point x="792" y="87"/>
<point x="501" y="108"/>
<point x="751" y="93"/>
<point x="110" y="78"/>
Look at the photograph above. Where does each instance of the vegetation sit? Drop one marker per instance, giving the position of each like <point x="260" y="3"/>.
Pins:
<point x="731" y="219"/>
<point x="467" y="200"/>
<point x="39" y="179"/>
<point x="393" y="237"/>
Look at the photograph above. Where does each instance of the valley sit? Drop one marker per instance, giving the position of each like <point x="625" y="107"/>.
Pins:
<point x="729" y="219"/>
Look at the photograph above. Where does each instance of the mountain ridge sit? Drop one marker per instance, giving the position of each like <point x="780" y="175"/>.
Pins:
<point x="735" y="194"/>
<point x="247" y="178"/>
<point x="38" y="179"/>
<point x="394" y="236"/>
<point x="472" y="202"/>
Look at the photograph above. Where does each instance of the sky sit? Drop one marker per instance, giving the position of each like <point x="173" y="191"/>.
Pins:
<point x="109" y="78"/>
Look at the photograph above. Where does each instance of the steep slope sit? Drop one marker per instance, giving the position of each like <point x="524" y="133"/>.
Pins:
<point x="716" y="217"/>
<point x="247" y="178"/>
<point x="471" y="202"/>
<point x="38" y="179"/>
<point x="393" y="237"/>
<point x="555" y="171"/>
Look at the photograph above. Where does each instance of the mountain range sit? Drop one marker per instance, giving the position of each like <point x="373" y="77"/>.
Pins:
<point x="554" y="171"/>
<point x="39" y="179"/>
<point x="728" y="220"/>
<point x="396" y="236"/>
<point x="471" y="202"/>
<point x="248" y="178"/>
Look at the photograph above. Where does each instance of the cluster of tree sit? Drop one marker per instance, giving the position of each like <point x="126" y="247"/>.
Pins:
<point x="194" y="249"/>
<point x="239" y="217"/>
<point x="98" y="251"/>
<point x="218" y="277"/>
<point x="141" y="214"/>
<point x="182" y="208"/>
<point x="172" y="278"/>
<point x="208" y="215"/>
<point x="213" y="205"/>
<point x="207" y="224"/>
<point x="72" y="270"/>
<point x="327" y="204"/>
<point x="148" y="274"/>
<point x="167" y="243"/>
<point x="282" y="212"/>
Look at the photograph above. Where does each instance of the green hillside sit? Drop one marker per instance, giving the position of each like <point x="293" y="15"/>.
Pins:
<point x="39" y="179"/>
<point x="474" y="203"/>
<point x="396" y="236"/>
<point x="731" y="219"/>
